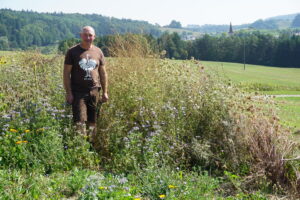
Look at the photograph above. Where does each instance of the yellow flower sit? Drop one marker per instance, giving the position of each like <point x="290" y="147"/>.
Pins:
<point x="102" y="188"/>
<point x="27" y="131"/>
<point x="137" y="199"/>
<point x="172" y="186"/>
<point x="162" y="196"/>
<point x="13" y="130"/>
<point x="40" y="130"/>
<point x="20" y="142"/>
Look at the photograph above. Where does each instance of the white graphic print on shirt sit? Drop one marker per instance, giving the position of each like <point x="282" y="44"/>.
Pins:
<point x="87" y="65"/>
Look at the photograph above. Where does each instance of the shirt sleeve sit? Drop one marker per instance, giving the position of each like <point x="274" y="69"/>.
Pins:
<point x="102" y="59"/>
<point x="69" y="58"/>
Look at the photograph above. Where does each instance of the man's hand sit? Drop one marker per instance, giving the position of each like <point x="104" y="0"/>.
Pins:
<point x="104" y="97"/>
<point x="69" y="98"/>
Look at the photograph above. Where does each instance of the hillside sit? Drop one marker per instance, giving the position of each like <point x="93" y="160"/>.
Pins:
<point x="213" y="29"/>
<point x="272" y="23"/>
<point x="28" y="29"/>
<point x="283" y="17"/>
<point x="21" y="29"/>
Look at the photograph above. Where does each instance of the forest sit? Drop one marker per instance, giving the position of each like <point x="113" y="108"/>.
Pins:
<point x="22" y="29"/>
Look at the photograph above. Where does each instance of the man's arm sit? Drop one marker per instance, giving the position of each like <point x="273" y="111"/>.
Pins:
<point x="103" y="82"/>
<point x="67" y="83"/>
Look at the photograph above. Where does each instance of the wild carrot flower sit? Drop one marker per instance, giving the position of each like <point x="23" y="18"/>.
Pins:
<point x="162" y="196"/>
<point x="13" y="130"/>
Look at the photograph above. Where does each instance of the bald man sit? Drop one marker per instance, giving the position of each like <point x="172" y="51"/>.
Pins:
<point x="84" y="77"/>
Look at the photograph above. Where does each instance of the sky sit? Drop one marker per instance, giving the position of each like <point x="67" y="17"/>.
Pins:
<point x="164" y="11"/>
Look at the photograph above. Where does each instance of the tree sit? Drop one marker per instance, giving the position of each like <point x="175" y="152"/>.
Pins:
<point x="66" y="44"/>
<point x="173" y="45"/>
<point x="4" y="45"/>
<point x="175" y="24"/>
<point x="3" y="30"/>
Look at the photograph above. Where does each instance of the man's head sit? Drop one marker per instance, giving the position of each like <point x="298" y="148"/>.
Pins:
<point x="87" y="35"/>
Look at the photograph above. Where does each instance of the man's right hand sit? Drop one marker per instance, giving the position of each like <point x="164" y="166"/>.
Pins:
<point x="104" y="97"/>
<point x="69" y="98"/>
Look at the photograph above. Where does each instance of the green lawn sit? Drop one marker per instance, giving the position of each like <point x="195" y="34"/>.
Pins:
<point x="289" y="111"/>
<point x="259" y="77"/>
<point x="269" y="81"/>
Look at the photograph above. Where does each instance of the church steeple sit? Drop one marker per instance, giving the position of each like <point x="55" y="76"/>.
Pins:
<point x="230" y="29"/>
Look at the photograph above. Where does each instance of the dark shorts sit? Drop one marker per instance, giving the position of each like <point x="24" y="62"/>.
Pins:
<point x="84" y="106"/>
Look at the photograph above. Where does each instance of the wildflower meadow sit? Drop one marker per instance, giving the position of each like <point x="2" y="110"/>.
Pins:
<point x="171" y="130"/>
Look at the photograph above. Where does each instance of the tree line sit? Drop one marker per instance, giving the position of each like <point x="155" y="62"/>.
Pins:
<point x="252" y="47"/>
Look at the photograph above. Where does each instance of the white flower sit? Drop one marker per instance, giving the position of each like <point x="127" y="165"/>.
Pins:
<point x="123" y="180"/>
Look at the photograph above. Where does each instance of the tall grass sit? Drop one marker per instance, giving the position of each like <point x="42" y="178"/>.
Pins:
<point x="175" y="114"/>
<point x="35" y="124"/>
<point x="179" y="117"/>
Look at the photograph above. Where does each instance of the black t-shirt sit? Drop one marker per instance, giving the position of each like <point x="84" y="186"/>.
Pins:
<point x="85" y="67"/>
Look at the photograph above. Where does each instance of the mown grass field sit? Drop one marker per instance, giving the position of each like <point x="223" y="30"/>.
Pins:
<point x="264" y="80"/>
<point x="171" y="130"/>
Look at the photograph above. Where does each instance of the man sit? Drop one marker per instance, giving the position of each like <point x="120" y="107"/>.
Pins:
<point x="84" y="75"/>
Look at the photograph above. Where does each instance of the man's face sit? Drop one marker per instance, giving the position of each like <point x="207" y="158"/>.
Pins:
<point x="87" y="36"/>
